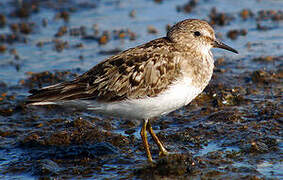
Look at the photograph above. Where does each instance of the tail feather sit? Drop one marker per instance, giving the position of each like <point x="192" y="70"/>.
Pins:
<point x="58" y="92"/>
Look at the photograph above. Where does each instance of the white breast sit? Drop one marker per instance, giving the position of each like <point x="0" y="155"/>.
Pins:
<point x="179" y="94"/>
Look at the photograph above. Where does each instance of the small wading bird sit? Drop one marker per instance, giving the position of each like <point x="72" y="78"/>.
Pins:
<point x="146" y="81"/>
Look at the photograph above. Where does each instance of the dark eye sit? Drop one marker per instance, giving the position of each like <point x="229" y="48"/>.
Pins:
<point x="197" y="33"/>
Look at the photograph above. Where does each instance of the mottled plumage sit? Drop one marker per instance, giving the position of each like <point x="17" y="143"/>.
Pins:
<point x="140" y="72"/>
<point x="149" y="80"/>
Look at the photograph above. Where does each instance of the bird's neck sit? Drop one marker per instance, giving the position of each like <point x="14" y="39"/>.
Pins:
<point x="197" y="65"/>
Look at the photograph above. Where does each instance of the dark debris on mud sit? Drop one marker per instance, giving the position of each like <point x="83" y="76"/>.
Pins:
<point x="171" y="166"/>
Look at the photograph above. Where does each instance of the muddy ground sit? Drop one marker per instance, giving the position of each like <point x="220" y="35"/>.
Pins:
<point x="233" y="130"/>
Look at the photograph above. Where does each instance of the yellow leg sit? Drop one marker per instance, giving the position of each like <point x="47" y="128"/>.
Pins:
<point x="144" y="140"/>
<point x="162" y="150"/>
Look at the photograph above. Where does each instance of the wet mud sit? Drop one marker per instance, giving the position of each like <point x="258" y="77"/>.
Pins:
<point x="233" y="130"/>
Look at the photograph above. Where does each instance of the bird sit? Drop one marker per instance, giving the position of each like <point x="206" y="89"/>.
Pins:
<point x="147" y="81"/>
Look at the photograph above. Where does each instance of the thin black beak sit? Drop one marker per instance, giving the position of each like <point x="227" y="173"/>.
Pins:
<point x="219" y="44"/>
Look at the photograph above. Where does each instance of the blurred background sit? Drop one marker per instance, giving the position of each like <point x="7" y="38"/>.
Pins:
<point x="233" y="129"/>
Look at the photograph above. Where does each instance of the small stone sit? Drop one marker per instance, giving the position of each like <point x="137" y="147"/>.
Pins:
<point x="3" y="48"/>
<point x="133" y="13"/>
<point x="152" y="30"/>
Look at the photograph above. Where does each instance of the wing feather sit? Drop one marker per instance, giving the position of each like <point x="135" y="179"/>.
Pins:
<point x="139" y="72"/>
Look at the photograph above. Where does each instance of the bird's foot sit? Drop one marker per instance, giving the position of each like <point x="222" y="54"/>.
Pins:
<point x="163" y="153"/>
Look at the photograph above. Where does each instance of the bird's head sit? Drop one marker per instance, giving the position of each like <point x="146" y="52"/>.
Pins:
<point x="196" y="35"/>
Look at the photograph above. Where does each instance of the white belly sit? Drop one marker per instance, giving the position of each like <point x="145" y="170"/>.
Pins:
<point x="179" y="94"/>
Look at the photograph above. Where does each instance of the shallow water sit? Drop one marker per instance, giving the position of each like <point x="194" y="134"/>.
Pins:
<point x="233" y="129"/>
